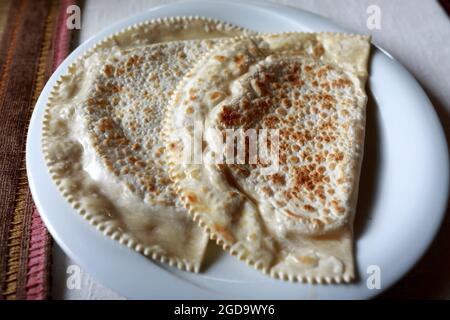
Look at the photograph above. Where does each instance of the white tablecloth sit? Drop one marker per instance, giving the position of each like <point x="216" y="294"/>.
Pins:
<point x="416" y="32"/>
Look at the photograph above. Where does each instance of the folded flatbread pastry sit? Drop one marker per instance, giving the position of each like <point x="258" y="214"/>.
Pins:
<point x="101" y="135"/>
<point x="290" y="211"/>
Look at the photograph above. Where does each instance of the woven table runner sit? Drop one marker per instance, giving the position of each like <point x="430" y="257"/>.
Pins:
<point x="34" y="41"/>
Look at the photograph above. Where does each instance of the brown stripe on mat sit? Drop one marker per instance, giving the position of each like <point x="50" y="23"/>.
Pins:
<point x="26" y="59"/>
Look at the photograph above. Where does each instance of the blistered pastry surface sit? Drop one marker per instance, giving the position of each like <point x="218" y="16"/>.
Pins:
<point x="101" y="142"/>
<point x="295" y="223"/>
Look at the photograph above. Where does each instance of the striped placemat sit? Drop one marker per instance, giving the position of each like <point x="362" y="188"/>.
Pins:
<point x="34" y="41"/>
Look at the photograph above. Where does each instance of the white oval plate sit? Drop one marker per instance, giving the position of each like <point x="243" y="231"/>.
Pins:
<point x="402" y="197"/>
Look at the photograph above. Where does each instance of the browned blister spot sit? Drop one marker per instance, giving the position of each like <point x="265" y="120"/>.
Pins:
<point x="105" y="124"/>
<point x="277" y="178"/>
<point x="192" y="198"/>
<point x="108" y="70"/>
<point x="308" y="260"/>
<point x="309" y="208"/>
<point x="229" y="117"/>
<point x="341" y="83"/>
<point x="219" y="58"/>
<point x="136" y="146"/>
<point x="239" y="59"/>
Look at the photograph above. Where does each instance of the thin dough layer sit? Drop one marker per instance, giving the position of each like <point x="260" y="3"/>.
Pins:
<point x="101" y="135"/>
<point x="295" y="222"/>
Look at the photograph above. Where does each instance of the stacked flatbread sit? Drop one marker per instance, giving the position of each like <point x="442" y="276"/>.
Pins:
<point x="119" y="123"/>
